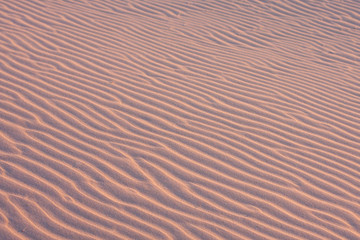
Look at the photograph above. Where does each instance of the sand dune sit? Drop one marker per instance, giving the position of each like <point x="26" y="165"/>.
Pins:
<point x="161" y="119"/>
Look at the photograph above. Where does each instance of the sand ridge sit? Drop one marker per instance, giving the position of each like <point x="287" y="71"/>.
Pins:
<point x="179" y="119"/>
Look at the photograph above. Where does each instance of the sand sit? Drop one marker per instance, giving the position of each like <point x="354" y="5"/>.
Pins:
<point x="164" y="119"/>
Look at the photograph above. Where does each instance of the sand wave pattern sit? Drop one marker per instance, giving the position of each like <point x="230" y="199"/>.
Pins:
<point x="156" y="119"/>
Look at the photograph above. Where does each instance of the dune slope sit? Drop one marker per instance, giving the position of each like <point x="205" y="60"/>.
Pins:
<point x="156" y="119"/>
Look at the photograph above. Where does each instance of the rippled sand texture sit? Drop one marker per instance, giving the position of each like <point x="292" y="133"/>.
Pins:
<point x="179" y="119"/>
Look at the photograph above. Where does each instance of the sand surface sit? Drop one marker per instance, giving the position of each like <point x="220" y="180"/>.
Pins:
<point x="179" y="119"/>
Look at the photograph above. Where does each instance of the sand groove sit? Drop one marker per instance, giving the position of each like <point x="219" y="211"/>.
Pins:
<point x="179" y="119"/>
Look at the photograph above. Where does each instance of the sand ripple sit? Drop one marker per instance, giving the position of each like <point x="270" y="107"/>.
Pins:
<point x="179" y="119"/>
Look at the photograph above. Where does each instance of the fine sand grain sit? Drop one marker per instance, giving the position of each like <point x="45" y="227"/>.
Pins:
<point x="179" y="119"/>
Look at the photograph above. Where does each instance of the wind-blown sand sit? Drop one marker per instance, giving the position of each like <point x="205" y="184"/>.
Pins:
<point x="159" y="119"/>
